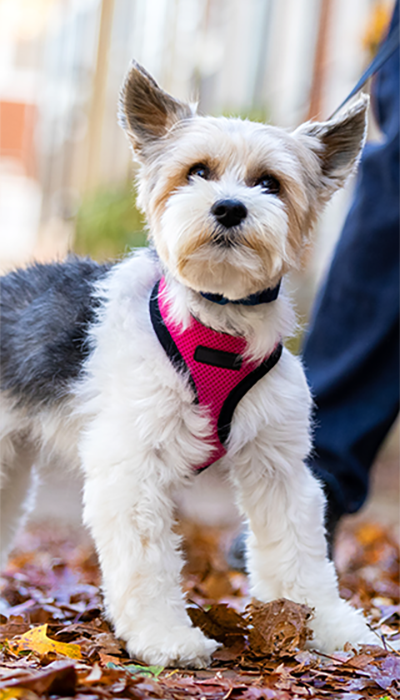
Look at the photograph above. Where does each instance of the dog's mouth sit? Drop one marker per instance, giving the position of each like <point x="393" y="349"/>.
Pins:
<point x="227" y="238"/>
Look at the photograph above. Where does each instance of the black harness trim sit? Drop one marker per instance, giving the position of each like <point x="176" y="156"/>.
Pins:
<point x="264" y="297"/>
<point x="218" y="358"/>
<point x="233" y="398"/>
<point x="167" y="341"/>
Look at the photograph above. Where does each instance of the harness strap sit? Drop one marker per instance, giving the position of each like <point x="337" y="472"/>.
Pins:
<point x="167" y="341"/>
<point x="264" y="297"/>
<point x="233" y="398"/>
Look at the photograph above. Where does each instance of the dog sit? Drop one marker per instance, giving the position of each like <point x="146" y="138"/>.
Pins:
<point x="145" y="371"/>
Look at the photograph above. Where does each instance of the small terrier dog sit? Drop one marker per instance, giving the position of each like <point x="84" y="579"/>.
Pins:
<point x="145" y="371"/>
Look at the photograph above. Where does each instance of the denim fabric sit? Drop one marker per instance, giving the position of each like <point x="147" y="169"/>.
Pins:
<point x="351" y="354"/>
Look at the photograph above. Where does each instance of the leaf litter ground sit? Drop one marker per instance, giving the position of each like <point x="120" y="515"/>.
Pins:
<point x="55" y="642"/>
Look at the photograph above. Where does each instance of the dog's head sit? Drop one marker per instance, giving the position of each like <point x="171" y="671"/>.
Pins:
<point x="231" y="203"/>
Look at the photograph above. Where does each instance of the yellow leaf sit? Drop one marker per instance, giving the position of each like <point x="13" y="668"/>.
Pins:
<point x="37" y="640"/>
<point x="14" y="693"/>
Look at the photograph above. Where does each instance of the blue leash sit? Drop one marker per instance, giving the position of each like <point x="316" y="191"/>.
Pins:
<point x="386" y="50"/>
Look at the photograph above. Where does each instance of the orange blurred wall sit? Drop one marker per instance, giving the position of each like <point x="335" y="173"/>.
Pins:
<point x="17" y="124"/>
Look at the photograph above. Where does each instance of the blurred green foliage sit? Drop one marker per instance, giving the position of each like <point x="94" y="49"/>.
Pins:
<point x="295" y="342"/>
<point x="108" y="224"/>
<point x="255" y="114"/>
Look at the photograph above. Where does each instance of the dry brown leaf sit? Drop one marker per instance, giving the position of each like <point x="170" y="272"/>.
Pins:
<point x="219" y="622"/>
<point x="234" y="647"/>
<point x="108" y="659"/>
<point x="108" y="643"/>
<point x="278" y="628"/>
<point x="58" y="677"/>
<point x="52" y="583"/>
<point x="15" y="625"/>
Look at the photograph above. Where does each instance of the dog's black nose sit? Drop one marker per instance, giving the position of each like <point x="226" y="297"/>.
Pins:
<point x="229" y="212"/>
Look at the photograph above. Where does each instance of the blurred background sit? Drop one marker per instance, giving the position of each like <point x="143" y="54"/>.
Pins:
<point x="65" y="167"/>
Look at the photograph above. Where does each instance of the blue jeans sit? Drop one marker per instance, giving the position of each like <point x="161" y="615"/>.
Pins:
<point x="351" y="353"/>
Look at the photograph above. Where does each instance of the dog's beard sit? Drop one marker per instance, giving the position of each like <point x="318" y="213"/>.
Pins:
<point x="233" y="272"/>
<point x="235" y="262"/>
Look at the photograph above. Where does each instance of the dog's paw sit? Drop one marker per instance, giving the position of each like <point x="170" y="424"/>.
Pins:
<point x="335" y="626"/>
<point x="178" y="646"/>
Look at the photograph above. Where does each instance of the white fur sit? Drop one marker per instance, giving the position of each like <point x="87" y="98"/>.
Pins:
<point x="137" y="445"/>
<point x="137" y="432"/>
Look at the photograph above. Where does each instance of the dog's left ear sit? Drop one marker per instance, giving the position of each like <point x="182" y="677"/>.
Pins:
<point x="337" y="144"/>
<point x="146" y="112"/>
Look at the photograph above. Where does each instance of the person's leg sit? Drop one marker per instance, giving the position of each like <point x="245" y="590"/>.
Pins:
<point x="351" y="353"/>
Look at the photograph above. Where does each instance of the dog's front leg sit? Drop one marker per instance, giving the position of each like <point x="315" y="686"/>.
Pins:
<point x="129" y="509"/>
<point x="287" y="552"/>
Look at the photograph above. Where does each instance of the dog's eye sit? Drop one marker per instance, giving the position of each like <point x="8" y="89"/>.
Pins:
<point x="200" y="170"/>
<point x="269" y="184"/>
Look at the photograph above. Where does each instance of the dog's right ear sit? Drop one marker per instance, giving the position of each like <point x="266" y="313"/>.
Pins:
<point x="146" y="112"/>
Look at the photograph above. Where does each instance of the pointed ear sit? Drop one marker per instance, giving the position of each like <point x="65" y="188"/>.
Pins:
<point x="146" y="112"/>
<point x="337" y="144"/>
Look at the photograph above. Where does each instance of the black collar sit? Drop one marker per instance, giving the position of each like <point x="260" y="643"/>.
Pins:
<point x="263" y="297"/>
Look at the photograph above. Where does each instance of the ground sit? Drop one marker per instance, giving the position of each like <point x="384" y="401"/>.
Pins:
<point x="55" y="642"/>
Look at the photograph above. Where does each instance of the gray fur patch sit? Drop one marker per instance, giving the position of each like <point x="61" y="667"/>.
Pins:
<point x="46" y="311"/>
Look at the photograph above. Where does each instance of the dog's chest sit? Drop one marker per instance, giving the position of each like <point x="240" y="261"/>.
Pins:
<point x="214" y="364"/>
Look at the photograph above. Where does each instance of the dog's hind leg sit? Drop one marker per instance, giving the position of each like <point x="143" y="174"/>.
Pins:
<point x="17" y="484"/>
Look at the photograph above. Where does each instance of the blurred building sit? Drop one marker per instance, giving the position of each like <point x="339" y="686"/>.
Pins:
<point x="21" y="26"/>
<point x="61" y="66"/>
<point x="62" y="63"/>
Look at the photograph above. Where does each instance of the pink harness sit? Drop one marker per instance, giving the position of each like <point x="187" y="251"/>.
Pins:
<point x="214" y="364"/>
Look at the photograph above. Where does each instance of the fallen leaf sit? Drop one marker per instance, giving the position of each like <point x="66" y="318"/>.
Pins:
<point x="219" y="622"/>
<point x="359" y="661"/>
<point x="233" y="648"/>
<point x="51" y="584"/>
<point x="386" y="672"/>
<point x="94" y="675"/>
<point x="14" y="625"/>
<point x="10" y="694"/>
<point x="37" y="640"/>
<point x="13" y="693"/>
<point x="58" y="677"/>
<point x="109" y="658"/>
<point x="107" y="643"/>
<point x="136" y="670"/>
<point x="278" y="628"/>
